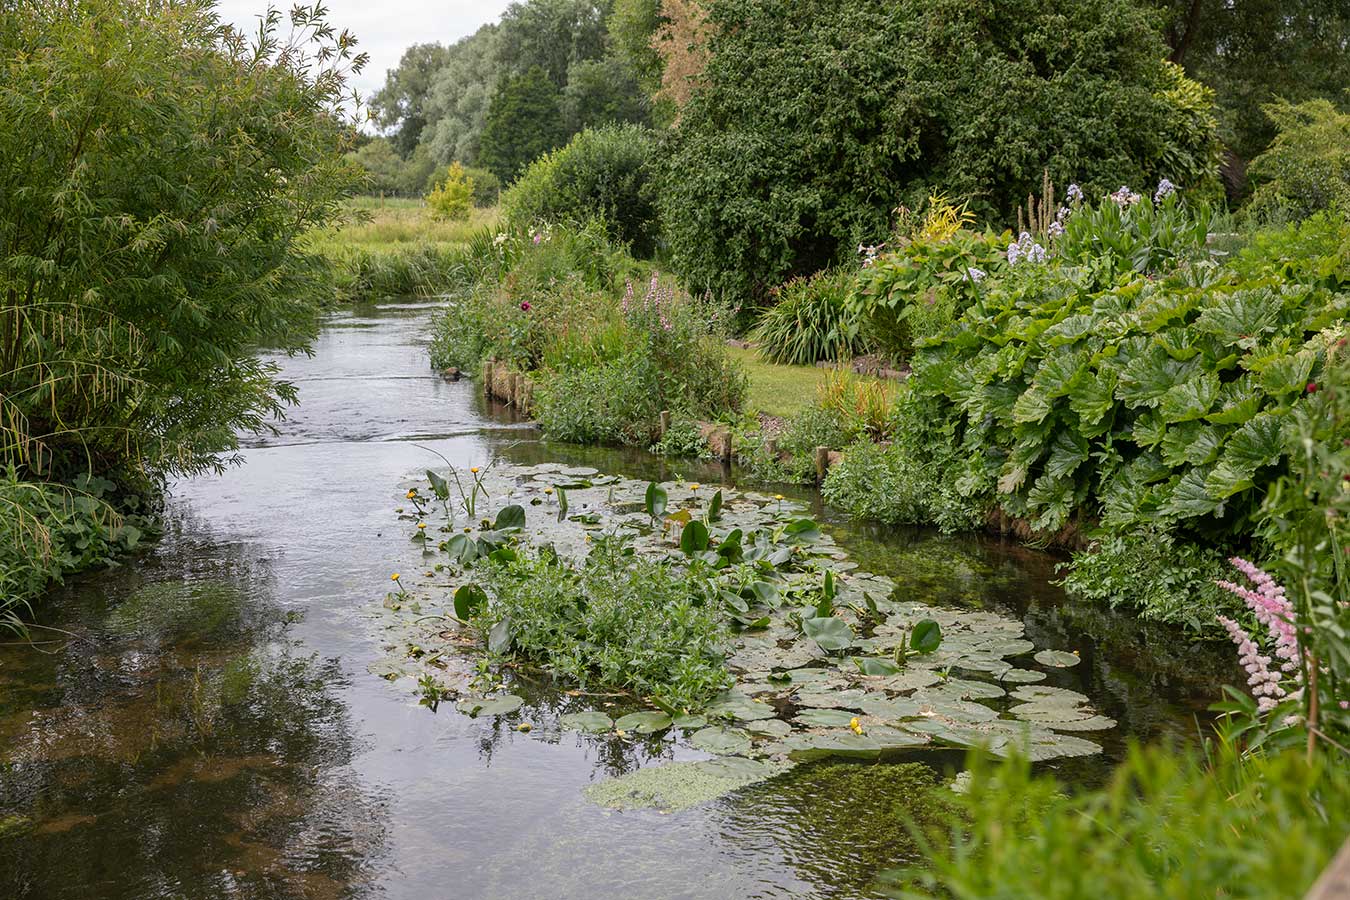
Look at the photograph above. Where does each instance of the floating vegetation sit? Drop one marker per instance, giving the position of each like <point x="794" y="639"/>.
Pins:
<point x="823" y="659"/>
<point x="680" y="785"/>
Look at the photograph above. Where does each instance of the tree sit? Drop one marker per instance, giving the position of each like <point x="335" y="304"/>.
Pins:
<point x="815" y="118"/>
<point x="452" y="196"/>
<point x="402" y="103"/>
<point x="682" y="43"/>
<point x="523" y="123"/>
<point x="161" y="176"/>
<point x="381" y="164"/>
<point x="1254" y="52"/>
<point x="600" y="92"/>
<point x="552" y="34"/>
<point x="461" y="93"/>
<point x="632" y="26"/>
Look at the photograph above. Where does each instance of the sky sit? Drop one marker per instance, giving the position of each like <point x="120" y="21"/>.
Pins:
<point x="384" y="28"/>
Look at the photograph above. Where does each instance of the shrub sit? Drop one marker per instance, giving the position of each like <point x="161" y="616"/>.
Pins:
<point x="914" y="293"/>
<point x="811" y="320"/>
<point x="602" y="173"/>
<point x="1157" y="400"/>
<point x="812" y="119"/>
<point x="1161" y="577"/>
<point x="614" y="621"/>
<point x="452" y="197"/>
<point x="487" y="188"/>
<point x="1307" y="169"/>
<point x="1193" y="826"/>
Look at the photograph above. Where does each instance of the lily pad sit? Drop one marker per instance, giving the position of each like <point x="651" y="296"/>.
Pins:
<point x="819" y="746"/>
<point x="1022" y="676"/>
<point x="474" y="707"/>
<point x="828" y="718"/>
<point x="1091" y="723"/>
<point x="590" y="722"/>
<point x="689" y="721"/>
<point x="1059" y="659"/>
<point x="643" y="722"/>
<point x="722" y="741"/>
<point x="1041" y="693"/>
<point x="830" y="699"/>
<point x="770" y="728"/>
<point x="829" y="632"/>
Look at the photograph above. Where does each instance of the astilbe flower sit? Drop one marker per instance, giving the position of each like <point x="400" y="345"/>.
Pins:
<point x="1165" y="189"/>
<point x="1273" y="609"/>
<point x="1264" y="683"/>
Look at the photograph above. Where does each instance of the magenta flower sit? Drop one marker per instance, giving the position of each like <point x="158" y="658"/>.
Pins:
<point x="525" y="306"/>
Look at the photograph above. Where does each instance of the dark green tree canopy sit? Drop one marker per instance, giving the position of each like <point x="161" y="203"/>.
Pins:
<point x="401" y="103"/>
<point x="1254" y="52"/>
<point x="523" y="123"/>
<point x="817" y="118"/>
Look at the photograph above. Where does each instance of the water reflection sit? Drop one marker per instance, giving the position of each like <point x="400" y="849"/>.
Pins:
<point x="179" y="744"/>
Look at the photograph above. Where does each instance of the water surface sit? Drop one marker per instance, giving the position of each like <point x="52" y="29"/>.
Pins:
<point x="207" y="727"/>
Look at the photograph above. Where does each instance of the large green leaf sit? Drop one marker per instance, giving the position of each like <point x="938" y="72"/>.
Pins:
<point x="656" y="499"/>
<point x="512" y="516"/>
<point x="1093" y="395"/>
<point x="1147" y="377"/>
<point x="1241" y="317"/>
<point x="926" y="636"/>
<point x="1258" y="443"/>
<point x="694" y="538"/>
<point x="829" y="632"/>
<point x="1191" y="399"/>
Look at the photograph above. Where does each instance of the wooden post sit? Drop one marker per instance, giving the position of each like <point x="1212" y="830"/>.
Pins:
<point x="1335" y="881"/>
<point x="822" y="462"/>
<point x="518" y="390"/>
<point x="665" y="422"/>
<point x="488" y="366"/>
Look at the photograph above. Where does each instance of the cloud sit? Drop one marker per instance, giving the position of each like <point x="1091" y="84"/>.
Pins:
<point x="384" y="28"/>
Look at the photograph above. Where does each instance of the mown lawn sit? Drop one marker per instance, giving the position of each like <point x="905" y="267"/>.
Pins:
<point x="778" y="390"/>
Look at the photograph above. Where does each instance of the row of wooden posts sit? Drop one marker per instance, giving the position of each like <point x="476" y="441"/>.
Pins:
<point x="516" y="389"/>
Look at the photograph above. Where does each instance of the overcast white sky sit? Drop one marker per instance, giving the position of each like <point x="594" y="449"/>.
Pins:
<point x="385" y="28"/>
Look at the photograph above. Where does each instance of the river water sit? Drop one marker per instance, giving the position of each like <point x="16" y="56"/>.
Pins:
<point x="204" y="724"/>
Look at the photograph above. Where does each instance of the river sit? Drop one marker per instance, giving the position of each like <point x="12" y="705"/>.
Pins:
<point x="205" y="724"/>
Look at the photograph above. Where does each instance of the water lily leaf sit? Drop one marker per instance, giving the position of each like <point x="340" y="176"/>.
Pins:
<point x="474" y="707"/>
<point x="740" y="707"/>
<point x="512" y="516"/>
<point x="960" y="689"/>
<point x="656" y="500"/>
<point x="895" y="738"/>
<point x="926" y="636"/>
<point x="876" y="665"/>
<point x="813" y="696"/>
<point x="889" y="708"/>
<point x="771" y="728"/>
<point x="499" y="638"/>
<point x="643" y="722"/>
<point x="911" y="679"/>
<point x="694" y="538"/>
<point x="1091" y="723"/>
<point x="827" y="718"/>
<point x="765" y="593"/>
<point x="439" y="486"/>
<point x="722" y="741"/>
<point x="829" y="633"/>
<point x="1059" y="659"/>
<point x="802" y="531"/>
<point x="1048" y="712"/>
<point x="592" y="722"/>
<point x="715" y="507"/>
<point x="463" y="548"/>
<point x="468" y="598"/>
<point x="689" y="721"/>
<point x="818" y="746"/>
<point x="1023" y="676"/>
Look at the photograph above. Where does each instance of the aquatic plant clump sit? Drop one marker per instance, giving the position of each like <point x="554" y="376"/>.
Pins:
<point x="794" y="653"/>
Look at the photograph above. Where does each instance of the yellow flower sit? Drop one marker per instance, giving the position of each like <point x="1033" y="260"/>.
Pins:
<point x="695" y="486"/>
<point x="412" y="493"/>
<point x="1075" y="653"/>
<point x="619" y="732"/>
<point x="524" y="727"/>
<point x="778" y="496"/>
<point x="855" y="726"/>
<point x="548" y="490"/>
<point x="474" y="470"/>
<point x="421" y="525"/>
<point x="467" y="529"/>
<point x="394" y="577"/>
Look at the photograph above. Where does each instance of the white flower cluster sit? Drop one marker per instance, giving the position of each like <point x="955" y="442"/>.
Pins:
<point x="1026" y="249"/>
<point x="869" y="253"/>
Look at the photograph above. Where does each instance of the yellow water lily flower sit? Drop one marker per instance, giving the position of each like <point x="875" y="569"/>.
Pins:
<point x="421" y="525"/>
<point x="548" y="490"/>
<point x="695" y="486"/>
<point x="524" y="727"/>
<point x="412" y="493"/>
<point x="855" y="726"/>
<point x="474" y="470"/>
<point x="778" y="496"/>
<point x="619" y="732"/>
<point x="394" y="577"/>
